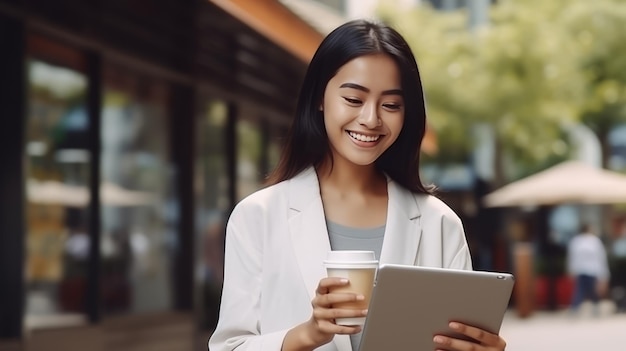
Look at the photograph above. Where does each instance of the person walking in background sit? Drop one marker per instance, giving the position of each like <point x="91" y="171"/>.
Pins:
<point x="351" y="159"/>
<point x="587" y="263"/>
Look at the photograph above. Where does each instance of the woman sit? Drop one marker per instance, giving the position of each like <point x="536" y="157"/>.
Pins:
<point x="351" y="164"/>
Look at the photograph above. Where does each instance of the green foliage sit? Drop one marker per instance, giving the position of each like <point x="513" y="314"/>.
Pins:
<point x="600" y="33"/>
<point x="535" y="67"/>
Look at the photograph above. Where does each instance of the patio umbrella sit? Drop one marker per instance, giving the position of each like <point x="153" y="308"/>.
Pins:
<point x="57" y="193"/>
<point x="52" y="192"/>
<point x="572" y="182"/>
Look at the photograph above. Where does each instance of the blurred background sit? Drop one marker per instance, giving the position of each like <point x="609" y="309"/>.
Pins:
<point x="132" y="127"/>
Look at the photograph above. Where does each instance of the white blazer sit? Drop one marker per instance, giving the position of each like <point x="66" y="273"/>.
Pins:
<point x="276" y="240"/>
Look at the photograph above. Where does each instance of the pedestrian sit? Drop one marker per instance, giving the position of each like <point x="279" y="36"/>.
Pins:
<point x="588" y="265"/>
<point x="351" y="161"/>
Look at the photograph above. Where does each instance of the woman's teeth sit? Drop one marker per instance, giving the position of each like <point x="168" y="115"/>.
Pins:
<point x="361" y="137"/>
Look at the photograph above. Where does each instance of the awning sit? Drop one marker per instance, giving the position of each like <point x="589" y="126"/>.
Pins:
<point x="276" y="22"/>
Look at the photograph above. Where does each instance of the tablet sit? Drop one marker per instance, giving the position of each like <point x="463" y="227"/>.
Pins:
<point x="409" y="305"/>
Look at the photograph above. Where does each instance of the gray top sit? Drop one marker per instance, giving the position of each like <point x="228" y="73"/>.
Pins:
<point x="350" y="238"/>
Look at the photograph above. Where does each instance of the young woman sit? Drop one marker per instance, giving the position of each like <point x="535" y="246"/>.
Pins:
<point x="348" y="179"/>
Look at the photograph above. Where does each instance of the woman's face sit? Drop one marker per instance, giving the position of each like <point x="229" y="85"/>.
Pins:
<point x="363" y="109"/>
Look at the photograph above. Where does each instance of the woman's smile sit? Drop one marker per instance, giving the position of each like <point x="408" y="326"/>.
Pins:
<point x="362" y="139"/>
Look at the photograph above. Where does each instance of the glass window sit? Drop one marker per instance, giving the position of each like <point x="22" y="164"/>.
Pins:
<point x="139" y="212"/>
<point x="212" y="204"/>
<point x="57" y="168"/>
<point x="276" y="135"/>
<point x="249" y="138"/>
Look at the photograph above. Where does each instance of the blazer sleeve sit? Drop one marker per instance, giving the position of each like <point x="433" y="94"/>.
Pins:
<point x="442" y="242"/>
<point x="239" y="321"/>
<point x="462" y="259"/>
<point x="456" y="251"/>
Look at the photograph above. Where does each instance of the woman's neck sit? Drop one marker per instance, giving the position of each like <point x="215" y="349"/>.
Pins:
<point x="354" y="196"/>
<point x="351" y="178"/>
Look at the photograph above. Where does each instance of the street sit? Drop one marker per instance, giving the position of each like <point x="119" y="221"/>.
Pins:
<point x="560" y="330"/>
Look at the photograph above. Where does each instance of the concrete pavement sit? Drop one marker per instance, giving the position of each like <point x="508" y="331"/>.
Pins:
<point x="562" y="330"/>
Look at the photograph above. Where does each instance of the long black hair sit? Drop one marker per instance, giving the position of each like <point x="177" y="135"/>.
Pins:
<point x="307" y="142"/>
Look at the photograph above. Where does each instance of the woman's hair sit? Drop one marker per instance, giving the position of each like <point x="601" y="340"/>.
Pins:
<point x="307" y="142"/>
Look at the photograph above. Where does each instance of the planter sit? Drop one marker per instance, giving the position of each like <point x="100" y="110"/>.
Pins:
<point x="564" y="287"/>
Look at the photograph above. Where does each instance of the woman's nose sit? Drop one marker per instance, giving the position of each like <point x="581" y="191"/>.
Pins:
<point x="369" y="117"/>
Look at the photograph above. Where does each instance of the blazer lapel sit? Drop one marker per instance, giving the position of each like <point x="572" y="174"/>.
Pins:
<point x="402" y="232"/>
<point x="309" y="235"/>
<point x="307" y="228"/>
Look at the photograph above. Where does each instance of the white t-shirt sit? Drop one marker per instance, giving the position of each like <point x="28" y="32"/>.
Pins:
<point x="586" y="255"/>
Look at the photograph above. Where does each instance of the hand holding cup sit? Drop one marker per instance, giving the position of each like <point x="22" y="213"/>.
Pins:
<point x="322" y="326"/>
<point x="359" y="268"/>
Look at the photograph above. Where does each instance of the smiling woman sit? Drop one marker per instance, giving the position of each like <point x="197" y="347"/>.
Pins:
<point x="351" y="161"/>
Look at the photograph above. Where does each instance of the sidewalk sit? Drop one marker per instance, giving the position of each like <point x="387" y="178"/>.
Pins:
<point x="560" y="330"/>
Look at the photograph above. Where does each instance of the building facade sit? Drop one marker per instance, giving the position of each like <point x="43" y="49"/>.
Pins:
<point x="131" y="130"/>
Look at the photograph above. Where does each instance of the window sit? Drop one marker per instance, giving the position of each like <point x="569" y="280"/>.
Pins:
<point x="57" y="162"/>
<point x="139" y="212"/>
<point x="212" y="204"/>
<point x="249" y="139"/>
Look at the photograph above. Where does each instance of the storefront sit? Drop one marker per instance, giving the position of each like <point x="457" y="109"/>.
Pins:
<point x="131" y="128"/>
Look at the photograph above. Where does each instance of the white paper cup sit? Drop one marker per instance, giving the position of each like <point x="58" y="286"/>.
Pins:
<point x="359" y="267"/>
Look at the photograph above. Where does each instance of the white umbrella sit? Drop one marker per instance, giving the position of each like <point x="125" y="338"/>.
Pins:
<point x="52" y="192"/>
<point x="57" y="193"/>
<point x="115" y="195"/>
<point x="568" y="182"/>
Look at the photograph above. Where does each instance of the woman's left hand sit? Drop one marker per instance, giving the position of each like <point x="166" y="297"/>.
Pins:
<point x="485" y="341"/>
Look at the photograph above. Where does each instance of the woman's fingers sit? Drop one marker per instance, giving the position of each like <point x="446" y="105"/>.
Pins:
<point x="325" y="298"/>
<point x="329" y="327"/>
<point x="323" y="306"/>
<point x="334" y="313"/>
<point x="484" y="339"/>
<point x="480" y="335"/>
<point x="323" y="287"/>
<point x="324" y="314"/>
<point x="329" y="299"/>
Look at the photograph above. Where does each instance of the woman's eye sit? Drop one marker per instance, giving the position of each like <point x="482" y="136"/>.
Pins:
<point x="352" y="101"/>
<point x="392" y="106"/>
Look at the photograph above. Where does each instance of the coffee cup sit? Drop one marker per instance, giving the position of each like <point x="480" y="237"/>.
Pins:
<point x="359" y="267"/>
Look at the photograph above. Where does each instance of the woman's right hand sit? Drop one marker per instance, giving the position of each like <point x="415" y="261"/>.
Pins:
<point x="321" y="327"/>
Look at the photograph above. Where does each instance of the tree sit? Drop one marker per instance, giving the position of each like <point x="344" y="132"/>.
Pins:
<point x="599" y="32"/>
<point x="517" y="74"/>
